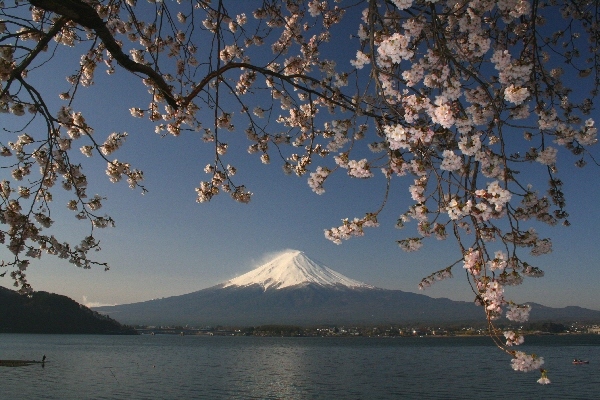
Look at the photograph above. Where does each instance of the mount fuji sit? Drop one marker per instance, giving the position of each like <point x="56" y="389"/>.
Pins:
<point x="293" y="289"/>
<point x="294" y="269"/>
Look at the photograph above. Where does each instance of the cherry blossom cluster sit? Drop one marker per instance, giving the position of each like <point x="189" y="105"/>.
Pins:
<point x="544" y="380"/>
<point x="513" y="339"/>
<point x="426" y="282"/>
<point x="410" y="244"/>
<point x="526" y="362"/>
<point x="317" y="179"/>
<point x="351" y="228"/>
<point x="518" y="313"/>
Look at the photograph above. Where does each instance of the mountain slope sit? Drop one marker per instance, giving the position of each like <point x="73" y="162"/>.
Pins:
<point x="292" y="289"/>
<point x="306" y="305"/>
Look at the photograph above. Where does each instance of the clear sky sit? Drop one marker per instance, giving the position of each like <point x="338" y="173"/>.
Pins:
<point x="166" y="244"/>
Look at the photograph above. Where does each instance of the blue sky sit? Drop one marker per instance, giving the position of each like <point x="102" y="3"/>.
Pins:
<point x="166" y="244"/>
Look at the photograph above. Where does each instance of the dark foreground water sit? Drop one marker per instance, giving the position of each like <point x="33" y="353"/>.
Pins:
<point x="201" y="367"/>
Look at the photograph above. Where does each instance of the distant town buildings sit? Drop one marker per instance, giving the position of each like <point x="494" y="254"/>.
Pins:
<point x="367" y="331"/>
<point x="594" y="329"/>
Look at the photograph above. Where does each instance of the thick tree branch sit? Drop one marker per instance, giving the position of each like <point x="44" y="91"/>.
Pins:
<point x="84" y="15"/>
<point x="287" y="78"/>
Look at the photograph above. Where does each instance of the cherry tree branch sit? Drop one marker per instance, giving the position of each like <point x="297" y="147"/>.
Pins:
<point x="85" y="15"/>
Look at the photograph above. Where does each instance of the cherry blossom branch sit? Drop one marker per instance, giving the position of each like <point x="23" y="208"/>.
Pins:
<point x="84" y="15"/>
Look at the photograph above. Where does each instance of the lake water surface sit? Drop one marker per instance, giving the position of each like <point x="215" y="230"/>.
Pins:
<point x="203" y="367"/>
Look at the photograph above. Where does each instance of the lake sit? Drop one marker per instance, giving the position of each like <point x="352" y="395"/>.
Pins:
<point x="205" y="367"/>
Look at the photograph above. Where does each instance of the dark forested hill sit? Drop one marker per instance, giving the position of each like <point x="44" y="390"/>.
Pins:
<point x="44" y="312"/>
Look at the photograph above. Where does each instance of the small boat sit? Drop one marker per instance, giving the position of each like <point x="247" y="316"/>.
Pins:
<point x="18" y="363"/>
<point x="579" y="362"/>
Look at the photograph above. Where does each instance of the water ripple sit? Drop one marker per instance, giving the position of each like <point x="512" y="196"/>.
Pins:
<point x="174" y="367"/>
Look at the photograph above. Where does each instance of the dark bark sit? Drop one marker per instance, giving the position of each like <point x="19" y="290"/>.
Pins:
<point x="83" y="14"/>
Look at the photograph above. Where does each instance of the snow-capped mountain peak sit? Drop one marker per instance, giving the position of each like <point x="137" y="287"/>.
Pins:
<point x="293" y="268"/>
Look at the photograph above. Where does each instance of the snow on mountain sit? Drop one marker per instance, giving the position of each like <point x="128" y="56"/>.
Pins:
<point x="293" y="268"/>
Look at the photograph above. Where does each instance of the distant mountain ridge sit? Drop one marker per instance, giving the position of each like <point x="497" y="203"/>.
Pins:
<point x="292" y="289"/>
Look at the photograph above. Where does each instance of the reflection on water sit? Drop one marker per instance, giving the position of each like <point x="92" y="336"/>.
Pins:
<point x="175" y="367"/>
